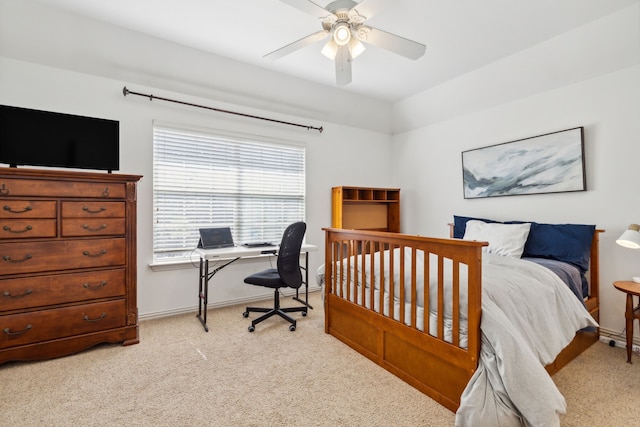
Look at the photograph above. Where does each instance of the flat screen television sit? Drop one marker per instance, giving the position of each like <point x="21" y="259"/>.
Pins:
<point x="44" y="138"/>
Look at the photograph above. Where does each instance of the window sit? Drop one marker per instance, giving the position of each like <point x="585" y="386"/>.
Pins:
<point x="203" y="179"/>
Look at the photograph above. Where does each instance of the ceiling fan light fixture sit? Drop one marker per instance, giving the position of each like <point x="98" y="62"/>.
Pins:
<point x="342" y="33"/>
<point x="330" y="50"/>
<point x="355" y="48"/>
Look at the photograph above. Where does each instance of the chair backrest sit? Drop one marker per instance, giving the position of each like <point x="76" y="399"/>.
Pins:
<point x="289" y="254"/>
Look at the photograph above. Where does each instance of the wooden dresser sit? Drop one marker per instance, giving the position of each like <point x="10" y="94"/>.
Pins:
<point x="67" y="262"/>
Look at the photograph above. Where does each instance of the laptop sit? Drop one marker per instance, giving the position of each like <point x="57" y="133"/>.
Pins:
<point x="215" y="238"/>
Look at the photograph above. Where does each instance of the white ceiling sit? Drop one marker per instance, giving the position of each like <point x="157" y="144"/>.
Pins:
<point x="461" y="35"/>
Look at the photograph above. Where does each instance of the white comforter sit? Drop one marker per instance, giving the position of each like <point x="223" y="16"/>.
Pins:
<point x="528" y="316"/>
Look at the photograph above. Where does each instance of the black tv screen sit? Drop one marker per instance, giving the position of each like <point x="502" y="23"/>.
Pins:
<point x="44" y="138"/>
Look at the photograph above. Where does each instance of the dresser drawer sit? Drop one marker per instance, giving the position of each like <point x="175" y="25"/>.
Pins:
<point x="27" y="209"/>
<point x="12" y="187"/>
<point x="27" y="228"/>
<point x="38" y="291"/>
<point x="32" y="327"/>
<point x="32" y="257"/>
<point x="93" y="209"/>
<point x="93" y="227"/>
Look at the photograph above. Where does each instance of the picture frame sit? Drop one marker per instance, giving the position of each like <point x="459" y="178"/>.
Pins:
<point x="549" y="163"/>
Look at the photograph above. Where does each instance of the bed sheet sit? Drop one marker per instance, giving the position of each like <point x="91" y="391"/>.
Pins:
<point x="568" y="273"/>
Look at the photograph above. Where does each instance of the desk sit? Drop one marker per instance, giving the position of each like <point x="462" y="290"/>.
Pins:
<point x="230" y="255"/>
<point x="631" y="289"/>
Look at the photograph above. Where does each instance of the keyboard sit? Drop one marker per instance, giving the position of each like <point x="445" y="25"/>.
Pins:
<point x="257" y="244"/>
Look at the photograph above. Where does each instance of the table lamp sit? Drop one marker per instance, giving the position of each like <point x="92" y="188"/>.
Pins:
<point x="631" y="239"/>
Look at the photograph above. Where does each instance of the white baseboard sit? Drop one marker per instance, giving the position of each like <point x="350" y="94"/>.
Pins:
<point x="619" y="339"/>
<point x="226" y="303"/>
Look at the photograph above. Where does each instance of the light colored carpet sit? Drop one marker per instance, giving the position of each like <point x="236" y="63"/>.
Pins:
<point x="180" y="375"/>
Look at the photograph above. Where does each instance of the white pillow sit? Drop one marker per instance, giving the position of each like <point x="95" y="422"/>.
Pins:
<point x="504" y="239"/>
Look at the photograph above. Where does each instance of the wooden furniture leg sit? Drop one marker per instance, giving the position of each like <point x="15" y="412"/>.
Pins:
<point x="629" y="328"/>
<point x="630" y="314"/>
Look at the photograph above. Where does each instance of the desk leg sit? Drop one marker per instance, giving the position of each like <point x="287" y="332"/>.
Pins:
<point x="203" y="293"/>
<point x="306" y="283"/>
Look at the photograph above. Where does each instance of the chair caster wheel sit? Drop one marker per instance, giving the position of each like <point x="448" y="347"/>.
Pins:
<point x="245" y="314"/>
<point x="292" y="328"/>
<point x="304" y="314"/>
<point x="252" y="328"/>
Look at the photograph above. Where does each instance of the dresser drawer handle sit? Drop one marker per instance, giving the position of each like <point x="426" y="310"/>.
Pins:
<point x="9" y="332"/>
<point x="102" y="316"/>
<point x="87" y="253"/>
<point x="98" y="286"/>
<point x="27" y="228"/>
<point x="9" y="209"/>
<point x="7" y="294"/>
<point x="8" y="258"/>
<point x="88" y="228"/>
<point x="87" y="210"/>
<point x="3" y="190"/>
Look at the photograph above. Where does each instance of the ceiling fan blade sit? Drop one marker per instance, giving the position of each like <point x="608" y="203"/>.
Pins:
<point x="299" y="44"/>
<point x="309" y="7"/>
<point x="371" y="8"/>
<point x="343" y="66"/>
<point x="391" y="42"/>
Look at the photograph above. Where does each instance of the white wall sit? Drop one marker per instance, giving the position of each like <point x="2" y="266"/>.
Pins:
<point x="364" y="161"/>
<point x="606" y="101"/>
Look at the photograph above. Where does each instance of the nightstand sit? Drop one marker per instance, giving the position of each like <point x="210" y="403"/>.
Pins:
<point x="631" y="289"/>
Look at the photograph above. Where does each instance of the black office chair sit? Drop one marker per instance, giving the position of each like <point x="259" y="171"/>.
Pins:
<point x="287" y="274"/>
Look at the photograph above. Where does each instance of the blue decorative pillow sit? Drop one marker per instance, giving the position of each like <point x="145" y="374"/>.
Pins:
<point x="569" y="243"/>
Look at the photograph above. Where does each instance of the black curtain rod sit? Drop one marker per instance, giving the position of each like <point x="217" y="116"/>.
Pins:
<point x="126" y="92"/>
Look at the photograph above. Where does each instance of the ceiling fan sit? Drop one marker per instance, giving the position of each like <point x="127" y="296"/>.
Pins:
<point x="348" y="32"/>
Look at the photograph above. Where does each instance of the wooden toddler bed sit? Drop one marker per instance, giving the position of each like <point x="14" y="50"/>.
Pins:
<point x="436" y="350"/>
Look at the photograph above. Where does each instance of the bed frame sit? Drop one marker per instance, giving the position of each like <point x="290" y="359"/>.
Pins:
<point x="438" y="368"/>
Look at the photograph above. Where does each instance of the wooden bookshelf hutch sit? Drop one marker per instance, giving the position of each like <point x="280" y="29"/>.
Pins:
<point x="366" y="208"/>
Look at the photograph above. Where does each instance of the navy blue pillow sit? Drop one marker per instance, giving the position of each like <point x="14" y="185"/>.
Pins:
<point x="569" y="243"/>
<point x="563" y="242"/>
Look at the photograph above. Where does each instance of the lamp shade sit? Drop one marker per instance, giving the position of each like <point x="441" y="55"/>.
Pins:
<point x="355" y="47"/>
<point x="342" y="33"/>
<point x="630" y="238"/>
<point x="330" y="50"/>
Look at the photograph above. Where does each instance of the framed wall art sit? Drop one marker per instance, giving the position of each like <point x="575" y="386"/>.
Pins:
<point x="549" y="163"/>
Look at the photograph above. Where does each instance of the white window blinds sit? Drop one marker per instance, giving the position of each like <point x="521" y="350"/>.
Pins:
<point x="203" y="180"/>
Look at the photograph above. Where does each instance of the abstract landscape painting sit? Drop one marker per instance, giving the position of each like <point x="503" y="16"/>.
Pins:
<point x="550" y="163"/>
